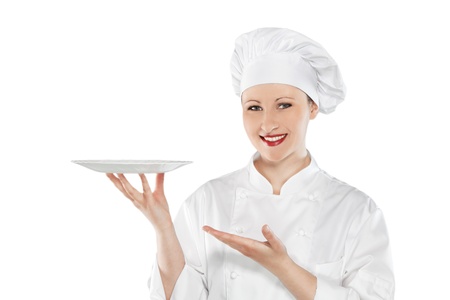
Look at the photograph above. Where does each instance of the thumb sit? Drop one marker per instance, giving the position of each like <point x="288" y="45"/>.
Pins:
<point x="273" y="240"/>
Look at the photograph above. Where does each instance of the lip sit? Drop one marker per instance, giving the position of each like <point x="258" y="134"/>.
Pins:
<point x="275" y="142"/>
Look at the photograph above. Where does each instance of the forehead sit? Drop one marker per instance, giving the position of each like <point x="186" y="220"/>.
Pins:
<point x="272" y="91"/>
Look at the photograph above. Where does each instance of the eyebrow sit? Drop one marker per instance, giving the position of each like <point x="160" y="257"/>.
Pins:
<point x="252" y="100"/>
<point x="279" y="98"/>
<point x="283" y="98"/>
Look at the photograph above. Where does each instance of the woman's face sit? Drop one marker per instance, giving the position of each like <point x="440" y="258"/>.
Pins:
<point x="276" y="117"/>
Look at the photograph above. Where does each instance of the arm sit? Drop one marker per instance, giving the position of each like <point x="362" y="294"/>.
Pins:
<point x="273" y="256"/>
<point x="154" y="206"/>
<point x="170" y="258"/>
<point x="368" y="268"/>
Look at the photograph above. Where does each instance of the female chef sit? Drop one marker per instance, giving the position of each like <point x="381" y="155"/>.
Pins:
<point x="281" y="227"/>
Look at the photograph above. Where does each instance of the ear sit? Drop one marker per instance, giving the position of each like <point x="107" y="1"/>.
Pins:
<point x="314" y="110"/>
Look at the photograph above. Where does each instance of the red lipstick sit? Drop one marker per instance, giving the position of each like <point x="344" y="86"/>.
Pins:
<point x="273" y="140"/>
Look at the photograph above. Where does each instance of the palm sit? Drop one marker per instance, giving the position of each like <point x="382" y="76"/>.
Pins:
<point x="152" y="204"/>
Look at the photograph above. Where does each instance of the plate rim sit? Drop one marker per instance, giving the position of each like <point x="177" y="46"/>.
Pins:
<point x="131" y="161"/>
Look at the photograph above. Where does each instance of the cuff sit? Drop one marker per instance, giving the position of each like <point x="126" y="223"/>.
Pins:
<point x="189" y="285"/>
<point x="327" y="290"/>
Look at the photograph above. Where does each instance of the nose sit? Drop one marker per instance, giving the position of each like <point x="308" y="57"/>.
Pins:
<point x="269" y="122"/>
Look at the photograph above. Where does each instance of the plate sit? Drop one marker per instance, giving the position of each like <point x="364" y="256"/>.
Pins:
<point x="132" y="166"/>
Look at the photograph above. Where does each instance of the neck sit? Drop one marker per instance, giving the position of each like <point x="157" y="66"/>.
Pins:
<point x="277" y="173"/>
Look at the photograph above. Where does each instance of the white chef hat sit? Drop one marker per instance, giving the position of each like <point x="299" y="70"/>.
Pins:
<point x="278" y="55"/>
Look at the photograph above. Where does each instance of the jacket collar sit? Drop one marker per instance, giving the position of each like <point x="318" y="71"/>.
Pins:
<point x="299" y="182"/>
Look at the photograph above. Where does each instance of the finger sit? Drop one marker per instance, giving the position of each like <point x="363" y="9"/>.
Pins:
<point x="118" y="185"/>
<point x="159" y="186"/>
<point x="145" y="185"/>
<point x="135" y="194"/>
<point x="244" y="245"/>
<point x="207" y="228"/>
<point x="220" y="235"/>
<point x="272" y="239"/>
<point x="225" y="237"/>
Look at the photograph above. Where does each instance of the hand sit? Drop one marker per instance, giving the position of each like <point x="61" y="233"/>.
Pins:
<point x="152" y="204"/>
<point x="271" y="254"/>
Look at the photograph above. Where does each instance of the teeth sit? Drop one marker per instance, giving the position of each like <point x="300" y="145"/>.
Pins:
<point x="275" y="138"/>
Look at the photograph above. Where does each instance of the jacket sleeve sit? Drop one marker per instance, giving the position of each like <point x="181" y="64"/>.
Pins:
<point x="367" y="272"/>
<point x="191" y="284"/>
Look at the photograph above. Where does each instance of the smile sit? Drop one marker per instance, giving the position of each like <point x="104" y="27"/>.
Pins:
<point x="273" y="140"/>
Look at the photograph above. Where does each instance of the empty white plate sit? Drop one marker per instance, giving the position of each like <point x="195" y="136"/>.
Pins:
<point x="132" y="166"/>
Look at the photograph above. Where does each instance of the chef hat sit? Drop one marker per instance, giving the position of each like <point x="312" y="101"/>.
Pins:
<point x="278" y="55"/>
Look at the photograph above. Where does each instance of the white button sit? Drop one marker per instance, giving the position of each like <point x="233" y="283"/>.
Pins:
<point x="233" y="275"/>
<point x="301" y="232"/>
<point x="312" y="197"/>
<point x="242" y="196"/>
<point x="239" y="229"/>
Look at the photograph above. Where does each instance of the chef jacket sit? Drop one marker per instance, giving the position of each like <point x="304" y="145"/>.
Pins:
<point x="329" y="228"/>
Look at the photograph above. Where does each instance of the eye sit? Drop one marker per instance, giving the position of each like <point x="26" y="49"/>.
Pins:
<point x="254" y="108"/>
<point x="284" y="105"/>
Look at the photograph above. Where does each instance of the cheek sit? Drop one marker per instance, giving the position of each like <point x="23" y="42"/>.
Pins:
<point x="298" y="124"/>
<point x="302" y="128"/>
<point x="250" y="123"/>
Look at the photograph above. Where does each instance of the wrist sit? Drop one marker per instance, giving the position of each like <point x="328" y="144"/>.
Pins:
<point x="283" y="266"/>
<point x="291" y="274"/>
<point x="163" y="231"/>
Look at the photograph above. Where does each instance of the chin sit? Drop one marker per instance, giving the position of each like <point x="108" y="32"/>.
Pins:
<point x="272" y="157"/>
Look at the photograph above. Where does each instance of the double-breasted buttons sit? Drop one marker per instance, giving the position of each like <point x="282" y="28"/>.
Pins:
<point x="301" y="232"/>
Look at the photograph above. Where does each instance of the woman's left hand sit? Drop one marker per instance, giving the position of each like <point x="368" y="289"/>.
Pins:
<point x="271" y="254"/>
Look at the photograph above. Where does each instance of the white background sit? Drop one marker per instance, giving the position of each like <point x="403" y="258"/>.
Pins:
<point x="150" y="80"/>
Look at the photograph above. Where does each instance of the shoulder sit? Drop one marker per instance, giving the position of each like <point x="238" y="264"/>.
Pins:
<point x="226" y="182"/>
<point x="218" y="186"/>
<point x="345" y="204"/>
<point x="339" y="194"/>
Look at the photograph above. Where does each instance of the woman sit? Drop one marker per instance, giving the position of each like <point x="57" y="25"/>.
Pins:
<point x="280" y="228"/>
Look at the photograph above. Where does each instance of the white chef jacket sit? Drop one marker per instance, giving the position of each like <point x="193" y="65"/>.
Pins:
<point x="331" y="229"/>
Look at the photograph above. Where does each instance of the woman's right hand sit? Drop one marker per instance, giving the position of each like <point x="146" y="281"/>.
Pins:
<point x="152" y="204"/>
